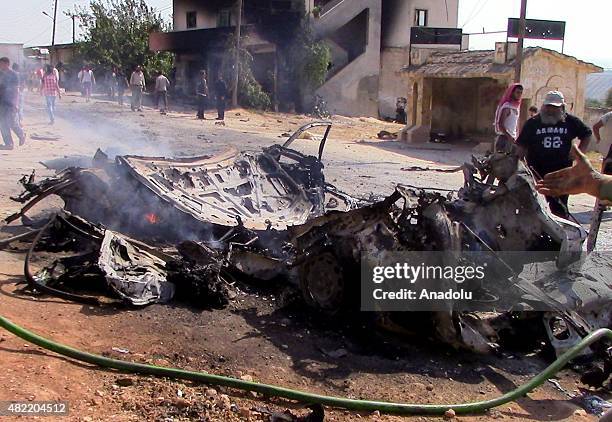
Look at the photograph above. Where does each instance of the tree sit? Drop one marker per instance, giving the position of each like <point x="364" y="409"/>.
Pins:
<point x="117" y="35"/>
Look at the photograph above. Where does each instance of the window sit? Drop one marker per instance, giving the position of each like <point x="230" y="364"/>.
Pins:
<point x="420" y="17"/>
<point x="225" y="18"/>
<point x="192" y="19"/>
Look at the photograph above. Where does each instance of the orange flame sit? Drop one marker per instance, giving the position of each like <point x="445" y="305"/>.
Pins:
<point x="152" y="218"/>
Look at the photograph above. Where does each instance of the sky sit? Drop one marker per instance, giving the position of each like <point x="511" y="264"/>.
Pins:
<point x="588" y="29"/>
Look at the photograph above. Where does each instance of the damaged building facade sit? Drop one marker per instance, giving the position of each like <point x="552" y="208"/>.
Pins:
<point x="369" y="42"/>
<point x="453" y="95"/>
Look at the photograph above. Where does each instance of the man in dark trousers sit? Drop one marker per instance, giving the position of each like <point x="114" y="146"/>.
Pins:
<point x="9" y="103"/>
<point x="221" y="92"/>
<point x="546" y="142"/>
<point x="202" y="94"/>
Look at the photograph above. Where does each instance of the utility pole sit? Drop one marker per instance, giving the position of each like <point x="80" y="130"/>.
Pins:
<point x="237" y="56"/>
<point x="54" y="21"/>
<point x="73" y="28"/>
<point x="519" y="46"/>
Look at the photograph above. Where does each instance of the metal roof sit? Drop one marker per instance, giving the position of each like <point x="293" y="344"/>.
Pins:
<point x="480" y="63"/>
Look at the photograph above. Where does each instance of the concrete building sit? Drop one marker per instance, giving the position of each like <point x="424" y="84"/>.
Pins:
<point x="200" y="35"/>
<point x="14" y="52"/>
<point x="369" y="41"/>
<point x="454" y="94"/>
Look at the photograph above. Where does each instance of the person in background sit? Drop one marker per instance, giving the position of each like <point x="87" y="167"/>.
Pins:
<point x="202" y="94"/>
<point x="161" y="91"/>
<point x="221" y="93"/>
<point x="111" y="82"/>
<point x="506" y="118"/>
<point x="546" y="142"/>
<point x="87" y="80"/>
<point x="533" y="110"/>
<point x="22" y="90"/>
<point x="604" y="121"/>
<point x="9" y="100"/>
<point x="50" y="90"/>
<point x="122" y="86"/>
<point x="137" y="85"/>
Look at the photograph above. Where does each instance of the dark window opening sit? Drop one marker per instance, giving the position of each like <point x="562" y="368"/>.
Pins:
<point x="225" y="18"/>
<point x="420" y="17"/>
<point x="192" y="19"/>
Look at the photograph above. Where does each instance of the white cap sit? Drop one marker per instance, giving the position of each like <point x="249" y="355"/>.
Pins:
<point x="554" y="98"/>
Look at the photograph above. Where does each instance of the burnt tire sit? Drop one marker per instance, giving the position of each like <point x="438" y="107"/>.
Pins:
<point x="322" y="282"/>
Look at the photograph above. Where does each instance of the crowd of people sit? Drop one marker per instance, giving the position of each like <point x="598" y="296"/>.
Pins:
<point x="14" y="83"/>
<point x="117" y="83"/>
<point x="545" y="142"/>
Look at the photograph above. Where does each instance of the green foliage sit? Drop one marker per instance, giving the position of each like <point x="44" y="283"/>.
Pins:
<point x="591" y="102"/>
<point x="250" y="92"/>
<point x="309" y="60"/>
<point x="117" y="35"/>
<point x="609" y="98"/>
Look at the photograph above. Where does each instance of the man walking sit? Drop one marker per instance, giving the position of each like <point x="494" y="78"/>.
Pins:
<point x="137" y="85"/>
<point x="87" y="81"/>
<point x="546" y="141"/>
<point x="122" y="86"/>
<point x="9" y="101"/>
<point x="22" y="89"/>
<point x="221" y="92"/>
<point x="202" y="94"/>
<point x="161" y="91"/>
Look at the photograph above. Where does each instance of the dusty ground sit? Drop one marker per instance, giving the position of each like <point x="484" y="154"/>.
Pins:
<point x="257" y="336"/>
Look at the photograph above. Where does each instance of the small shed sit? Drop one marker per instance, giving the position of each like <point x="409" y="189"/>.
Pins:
<point x="455" y="93"/>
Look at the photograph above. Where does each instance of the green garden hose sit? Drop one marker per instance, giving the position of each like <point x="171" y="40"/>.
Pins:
<point x="271" y="390"/>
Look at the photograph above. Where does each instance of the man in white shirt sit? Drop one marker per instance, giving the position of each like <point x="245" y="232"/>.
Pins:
<point x="87" y="81"/>
<point x="137" y="84"/>
<point x="161" y="91"/>
<point x="604" y="121"/>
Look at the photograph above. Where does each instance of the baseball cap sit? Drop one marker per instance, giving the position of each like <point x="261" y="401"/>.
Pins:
<point x="554" y="98"/>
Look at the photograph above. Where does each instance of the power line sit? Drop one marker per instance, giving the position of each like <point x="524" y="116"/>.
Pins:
<point x="478" y="2"/>
<point x="477" y="13"/>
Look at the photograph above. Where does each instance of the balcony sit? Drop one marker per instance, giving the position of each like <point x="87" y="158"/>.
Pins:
<point x="195" y="40"/>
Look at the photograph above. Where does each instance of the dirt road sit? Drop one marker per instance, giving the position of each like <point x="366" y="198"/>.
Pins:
<point x="257" y="337"/>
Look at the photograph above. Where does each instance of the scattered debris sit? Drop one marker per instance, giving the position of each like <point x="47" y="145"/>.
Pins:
<point x="383" y="134"/>
<point x="238" y="217"/>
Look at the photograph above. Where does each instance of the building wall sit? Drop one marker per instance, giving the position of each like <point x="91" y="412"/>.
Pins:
<point x="14" y="52"/>
<point x="61" y="55"/>
<point x="397" y="20"/>
<point x="542" y="73"/>
<point x="392" y="85"/>
<point x="399" y="15"/>
<point x="353" y="91"/>
<point x="206" y="16"/>
<point x="465" y="106"/>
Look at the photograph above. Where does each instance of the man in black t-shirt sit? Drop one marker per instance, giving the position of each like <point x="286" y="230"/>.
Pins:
<point x="546" y="142"/>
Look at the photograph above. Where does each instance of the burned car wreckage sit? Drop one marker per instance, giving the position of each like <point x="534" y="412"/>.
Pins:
<point x="148" y="228"/>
